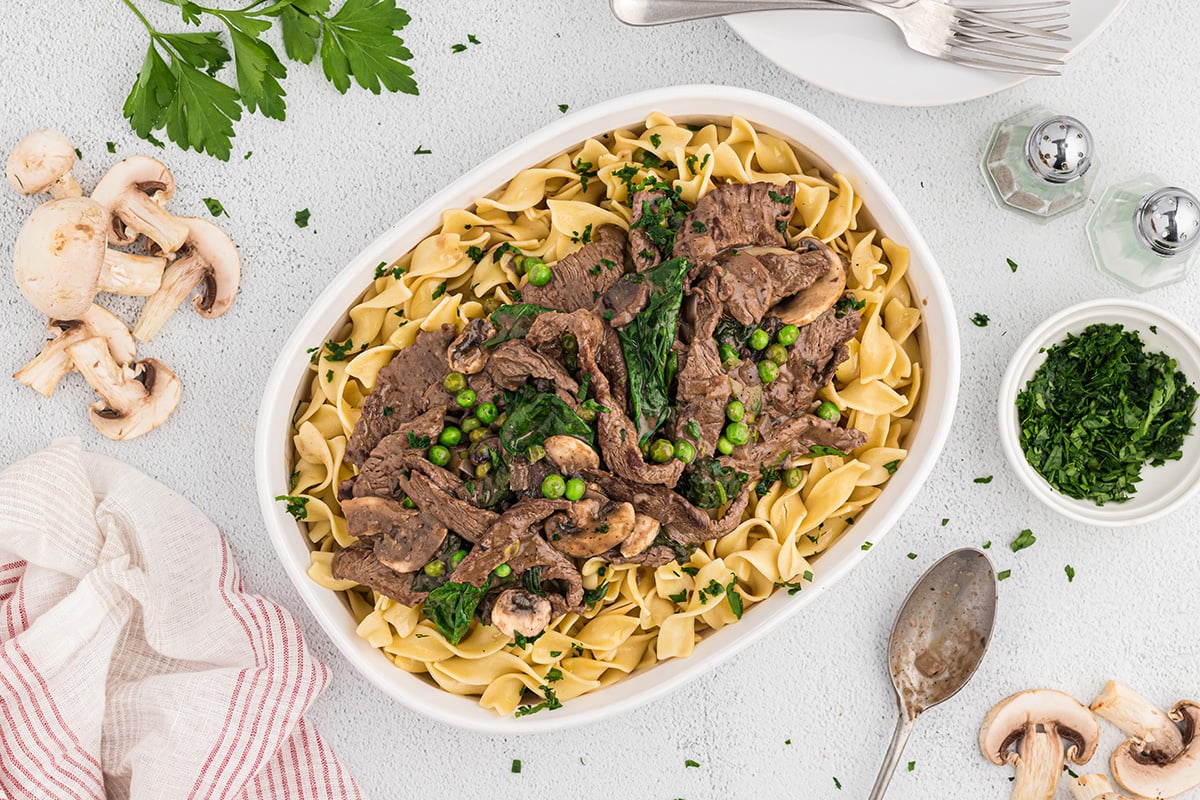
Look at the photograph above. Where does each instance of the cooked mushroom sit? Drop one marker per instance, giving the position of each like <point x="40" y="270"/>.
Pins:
<point x="404" y="539"/>
<point x="209" y="257"/>
<point x="42" y="162"/>
<point x="61" y="261"/>
<point x="50" y="366"/>
<point x="1159" y="759"/>
<point x="134" y="193"/>
<point x="1094" y="787"/>
<point x="805" y="306"/>
<point x="645" y="531"/>
<point x="1037" y="722"/>
<point x="571" y="455"/>
<point x="588" y="529"/>
<point x="518" y="611"/>
<point x="466" y="353"/>
<point x="134" y="400"/>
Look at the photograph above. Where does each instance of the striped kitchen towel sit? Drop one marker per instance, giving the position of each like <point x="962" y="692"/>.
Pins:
<point x="133" y="664"/>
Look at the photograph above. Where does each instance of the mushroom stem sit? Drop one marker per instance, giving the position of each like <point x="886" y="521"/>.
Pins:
<point x="1093" y="787"/>
<point x="129" y="274"/>
<point x="1157" y="736"/>
<point x="141" y="213"/>
<point x="52" y="364"/>
<point x="179" y="280"/>
<point x="66" y="186"/>
<point x="104" y="374"/>
<point x="1039" y="765"/>
<point x="132" y="404"/>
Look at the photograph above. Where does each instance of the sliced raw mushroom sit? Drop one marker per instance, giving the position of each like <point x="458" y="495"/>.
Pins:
<point x="42" y="162"/>
<point x="1027" y="731"/>
<point x="467" y="354"/>
<point x="645" y="531"/>
<point x="208" y="258"/>
<point x="1094" y="787"/>
<point x="805" y="306"/>
<point x="519" y="611"/>
<point x="50" y="366"/>
<point x="589" y="528"/>
<point x="1161" y="757"/>
<point x="134" y="193"/>
<point x="571" y="455"/>
<point x="61" y="261"/>
<point x="134" y="400"/>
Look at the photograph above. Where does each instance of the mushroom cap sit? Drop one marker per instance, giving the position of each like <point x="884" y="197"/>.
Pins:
<point x="570" y="454"/>
<point x="520" y="611"/>
<point x="588" y="529"/>
<point x="39" y="160"/>
<point x="58" y="256"/>
<point x="645" y="531"/>
<point x="134" y="174"/>
<point x="805" y="306"/>
<point x="1009" y="720"/>
<point x="211" y="244"/>
<point x="1146" y="777"/>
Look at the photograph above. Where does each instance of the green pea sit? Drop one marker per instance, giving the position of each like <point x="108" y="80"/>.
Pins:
<point x="434" y="569"/>
<point x="518" y="264"/>
<point x="458" y="557"/>
<point x="502" y="571"/>
<point x="439" y="455"/>
<point x="735" y="411"/>
<point x="724" y="446"/>
<point x="539" y="272"/>
<point x="738" y="433"/>
<point x="570" y="343"/>
<point x="465" y="398"/>
<point x="450" y="436"/>
<point x="685" y="451"/>
<point x="791" y="477"/>
<point x="454" y="383"/>
<point x="553" y="487"/>
<point x="479" y="434"/>
<point x="768" y="371"/>
<point x="830" y="411"/>
<point x="729" y="356"/>
<point x="777" y="353"/>
<point x="481" y="470"/>
<point x="759" y="339"/>
<point x="469" y="424"/>
<point x="575" y="489"/>
<point x="661" y="451"/>
<point x="788" y="335"/>
<point x="487" y="413"/>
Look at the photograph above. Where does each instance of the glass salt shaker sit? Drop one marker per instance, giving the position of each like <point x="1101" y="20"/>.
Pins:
<point x="1144" y="233"/>
<point x="1040" y="164"/>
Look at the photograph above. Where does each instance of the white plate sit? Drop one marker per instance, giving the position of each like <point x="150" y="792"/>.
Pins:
<point x="1163" y="489"/>
<point x="864" y="56"/>
<point x="939" y="342"/>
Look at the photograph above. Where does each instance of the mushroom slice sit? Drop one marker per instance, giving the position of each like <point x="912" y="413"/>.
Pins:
<point x="805" y="306"/>
<point x="645" y="531"/>
<point x="570" y="454"/>
<point x="131" y="404"/>
<point x="209" y="257"/>
<point x="60" y="259"/>
<point x="134" y="193"/>
<point x="519" y="611"/>
<point x="1037" y="722"/>
<point x="42" y="162"/>
<point x="587" y="529"/>
<point x="1093" y="787"/>
<point x="1145" y="763"/>
<point x="404" y="539"/>
<point x="50" y="366"/>
<point x="466" y="353"/>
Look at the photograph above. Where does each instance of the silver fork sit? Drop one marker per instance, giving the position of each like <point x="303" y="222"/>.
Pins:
<point x="1012" y="37"/>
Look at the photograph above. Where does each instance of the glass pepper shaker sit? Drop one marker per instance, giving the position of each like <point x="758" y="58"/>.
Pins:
<point x="1040" y="164"/>
<point x="1144" y="233"/>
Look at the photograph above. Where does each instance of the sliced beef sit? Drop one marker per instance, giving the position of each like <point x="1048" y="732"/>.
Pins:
<point x="641" y="248"/>
<point x="400" y="391"/>
<point x="793" y="271"/>
<point x="681" y="521"/>
<point x="736" y="215"/>
<point x="702" y="388"/>
<point x="405" y="539"/>
<point x="559" y="576"/>
<point x="653" y="557"/>
<point x="466" y="519"/>
<point x="791" y="439"/>
<point x="744" y="287"/>
<point x="610" y="359"/>
<point x="581" y="278"/>
<point x="515" y="363"/>
<point x="733" y="515"/>
<point x="497" y="544"/>
<point x="467" y="353"/>
<point x="524" y="477"/>
<point x="394" y="456"/>
<point x="625" y="300"/>
<point x="359" y="563"/>
<point x="617" y="434"/>
<point x="811" y="363"/>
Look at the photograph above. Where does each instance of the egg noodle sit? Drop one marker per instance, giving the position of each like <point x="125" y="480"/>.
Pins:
<point x="644" y="615"/>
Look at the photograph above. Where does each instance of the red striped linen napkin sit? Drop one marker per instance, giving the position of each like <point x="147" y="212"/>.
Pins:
<point x="133" y="664"/>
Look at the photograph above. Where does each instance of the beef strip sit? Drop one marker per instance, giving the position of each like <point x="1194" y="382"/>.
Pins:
<point x="702" y="388"/>
<point x="400" y="391"/>
<point x="496" y="545"/>
<point x="396" y="451"/>
<point x="405" y="539"/>
<point x="793" y="271"/>
<point x="617" y="435"/>
<point x="625" y="300"/>
<point x="642" y="251"/>
<point x="467" y="353"/>
<point x="524" y="477"/>
<point x="465" y="519"/>
<point x="653" y="557"/>
<point x="610" y="359"/>
<point x="359" y="563"/>
<point x="791" y="439"/>
<point x="811" y="363"/>
<point x="735" y="215"/>
<point x="581" y="278"/>
<point x="515" y="362"/>
<point x="559" y="576"/>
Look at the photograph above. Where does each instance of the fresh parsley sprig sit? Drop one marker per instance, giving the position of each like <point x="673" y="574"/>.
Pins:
<point x="177" y="88"/>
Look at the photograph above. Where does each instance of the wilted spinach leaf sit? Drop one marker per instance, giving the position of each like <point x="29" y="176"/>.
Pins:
<point x="512" y="322"/>
<point x="451" y="606"/>
<point x="709" y="484"/>
<point x="534" y="416"/>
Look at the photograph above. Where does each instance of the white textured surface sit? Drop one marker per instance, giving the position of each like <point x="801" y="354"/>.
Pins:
<point x="822" y="683"/>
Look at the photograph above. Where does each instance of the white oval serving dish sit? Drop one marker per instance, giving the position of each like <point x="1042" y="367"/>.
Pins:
<point x="1162" y="489"/>
<point x="940" y="346"/>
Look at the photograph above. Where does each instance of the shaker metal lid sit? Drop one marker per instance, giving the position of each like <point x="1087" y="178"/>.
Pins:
<point x="1059" y="149"/>
<point x="1168" y="221"/>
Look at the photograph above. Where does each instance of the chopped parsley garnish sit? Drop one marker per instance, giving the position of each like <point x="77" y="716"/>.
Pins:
<point x="522" y="641"/>
<point x="78" y="154"/>
<point x="562" y="108"/>
<point x="549" y="704"/>
<point x="984" y="479"/>
<point x="422" y="150"/>
<point x="796" y="586"/>
<point x="1024" y="539"/>
<point x="1004" y="575"/>
<point x="214" y="207"/>
<point x="473" y="39"/>
<point x="583" y="238"/>
<point x="439" y="291"/>
<point x="867" y="545"/>
<point x="112" y="147"/>
<point x="458" y="48"/>
<point x="1012" y="265"/>
<point x="1070" y="573"/>
<point x="891" y="466"/>
<point x="516" y="766"/>
<point x="388" y="411"/>
<point x="295" y="505"/>
<point x="846" y="305"/>
<point x="912" y="765"/>
<point x="837" y="783"/>
<point x="779" y="198"/>
<point x="338" y="352"/>
<point x="1154" y="329"/>
<point x="734" y="599"/>
<point x="696" y="165"/>
<point x="679" y="597"/>
<point x="475" y="253"/>
<point x="980" y="320"/>
<point x="417" y="442"/>
<point x="693" y="571"/>
<point x="553" y="675"/>
<point x="329" y="376"/>
<point x="912" y="556"/>
<point x="586" y="171"/>
<point x="699" y="227"/>
<point x="302" y="218"/>
<point x="593" y="596"/>
<point x="655" y="140"/>
<point x="945" y="521"/>
<point x="691" y="763"/>
<point x="824" y="450"/>
<point x="987" y="545"/>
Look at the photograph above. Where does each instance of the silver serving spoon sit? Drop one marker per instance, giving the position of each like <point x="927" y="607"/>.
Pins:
<point x="937" y="643"/>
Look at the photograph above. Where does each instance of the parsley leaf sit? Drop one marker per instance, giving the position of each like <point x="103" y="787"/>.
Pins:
<point x="1024" y="539"/>
<point x="562" y="108"/>
<point x="1070" y="573"/>
<point x="980" y="320"/>
<point x="984" y="479"/>
<point x="295" y="505"/>
<point x="214" y="207"/>
<point x="1012" y="265"/>
<point x="302" y="218"/>
<point x="1004" y="575"/>
<point x="422" y="150"/>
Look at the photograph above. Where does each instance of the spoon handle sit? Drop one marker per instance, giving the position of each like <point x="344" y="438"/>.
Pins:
<point x="904" y="728"/>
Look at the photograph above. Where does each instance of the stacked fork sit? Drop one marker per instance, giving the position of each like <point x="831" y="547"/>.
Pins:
<point x="1012" y="37"/>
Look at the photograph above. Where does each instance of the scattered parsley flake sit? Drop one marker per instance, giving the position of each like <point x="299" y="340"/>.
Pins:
<point x="891" y="466"/>
<point x="247" y="156"/>
<point x="945" y="521"/>
<point x="691" y="763"/>
<point x="473" y="39"/>
<point x="1012" y="265"/>
<point x="987" y="545"/>
<point x="980" y="320"/>
<point x="458" y="48"/>
<point x="1154" y="329"/>
<point x="329" y="376"/>
<point x="655" y="140"/>
<point x="302" y="218"/>
<point x="214" y="207"/>
<point x="1070" y="573"/>
<point x="912" y="765"/>
<point x="912" y="556"/>
<point x="112" y="147"/>
<point x="867" y="545"/>
<point x="78" y="154"/>
<point x="837" y="783"/>
<point x="984" y="479"/>
<point x="1004" y="575"/>
<point x="516" y="766"/>
<point x="1024" y="539"/>
<point x="295" y="505"/>
<point x="562" y="108"/>
<point x="422" y="151"/>
<point x="439" y="291"/>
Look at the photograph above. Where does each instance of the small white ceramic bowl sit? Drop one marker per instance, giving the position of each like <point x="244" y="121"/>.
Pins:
<point x="1162" y="489"/>
<point x="932" y="418"/>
